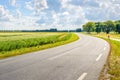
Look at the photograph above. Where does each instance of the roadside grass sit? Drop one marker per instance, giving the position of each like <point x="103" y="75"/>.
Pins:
<point x="114" y="60"/>
<point x="113" y="64"/>
<point x="22" y="46"/>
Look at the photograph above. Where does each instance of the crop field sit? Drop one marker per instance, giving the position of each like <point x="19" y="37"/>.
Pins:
<point x="16" y="43"/>
<point x="5" y="36"/>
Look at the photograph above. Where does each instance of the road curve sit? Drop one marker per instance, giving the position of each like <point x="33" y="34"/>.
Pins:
<point x="79" y="60"/>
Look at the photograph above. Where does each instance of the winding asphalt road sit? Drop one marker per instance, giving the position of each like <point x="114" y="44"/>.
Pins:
<point x="79" y="60"/>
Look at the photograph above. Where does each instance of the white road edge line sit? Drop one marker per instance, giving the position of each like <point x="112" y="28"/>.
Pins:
<point x="105" y="44"/>
<point x="82" y="76"/>
<point x="98" y="58"/>
<point x="104" y="48"/>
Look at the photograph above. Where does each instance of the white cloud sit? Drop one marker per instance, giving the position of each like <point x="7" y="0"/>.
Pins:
<point x="12" y="2"/>
<point x="37" y="6"/>
<point x="73" y="14"/>
<point x="56" y="18"/>
<point x="29" y="5"/>
<point x="40" y="5"/>
<point x="65" y="3"/>
<point x="4" y="14"/>
<point x="18" y="13"/>
<point x="66" y="13"/>
<point x="23" y="23"/>
<point x="104" y="5"/>
<point x="18" y="22"/>
<point x="107" y="10"/>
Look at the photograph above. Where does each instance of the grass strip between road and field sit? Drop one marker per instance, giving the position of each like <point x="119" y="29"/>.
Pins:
<point x="113" y="64"/>
<point x="64" y="39"/>
<point x="111" y="69"/>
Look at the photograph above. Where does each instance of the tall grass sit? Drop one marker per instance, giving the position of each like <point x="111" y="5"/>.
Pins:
<point x="24" y="43"/>
<point x="9" y="36"/>
<point x="17" y="47"/>
<point x="114" y="60"/>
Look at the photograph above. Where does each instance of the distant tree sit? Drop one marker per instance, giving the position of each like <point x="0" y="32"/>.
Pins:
<point x="89" y="27"/>
<point x="84" y="27"/>
<point x="118" y="28"/>
<point x="103" y="26"/>
<point x="110" y="26"/>
<point x="118" y="21"/>
<point x="78" y="30"/>
<point x="98" y="27"/>
<point x="53" y="30"/>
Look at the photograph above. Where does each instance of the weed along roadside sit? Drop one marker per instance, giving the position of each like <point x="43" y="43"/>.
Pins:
<point x="20" y="46"/>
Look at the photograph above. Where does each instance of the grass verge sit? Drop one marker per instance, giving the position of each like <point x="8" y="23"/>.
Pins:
<point x="113" y="64"/>
<point x="20" y="51"/>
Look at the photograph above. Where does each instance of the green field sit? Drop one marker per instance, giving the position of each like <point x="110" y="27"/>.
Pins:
<point x="16" y="43"/>
<point x="112" y="68"/>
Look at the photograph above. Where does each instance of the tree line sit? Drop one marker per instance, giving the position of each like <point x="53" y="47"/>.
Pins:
<point x="44" y="30"/>
<point x="106" y="26"/>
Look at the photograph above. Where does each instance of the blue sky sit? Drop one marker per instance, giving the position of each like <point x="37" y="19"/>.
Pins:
<point x="61" y="14"/>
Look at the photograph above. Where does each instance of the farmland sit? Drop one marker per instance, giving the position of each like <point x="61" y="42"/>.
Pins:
<point x="16" y="43"/>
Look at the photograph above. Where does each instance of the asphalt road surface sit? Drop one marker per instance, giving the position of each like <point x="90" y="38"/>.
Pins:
<point x="79" y="60"/>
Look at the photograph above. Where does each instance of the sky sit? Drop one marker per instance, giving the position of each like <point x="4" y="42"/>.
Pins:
<point x="60" y="14"/>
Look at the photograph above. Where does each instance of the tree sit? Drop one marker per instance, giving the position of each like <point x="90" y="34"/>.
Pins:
<point x="118" y="28"/>
<point x="53" y="30"/>
<point x="118" y="21"/>
<point x="89" y="27"/>
<point x="103" y="26"/>
<point x="98" y="27"/>
<point x="110" y="26"/>
<point x="78" y="30"/>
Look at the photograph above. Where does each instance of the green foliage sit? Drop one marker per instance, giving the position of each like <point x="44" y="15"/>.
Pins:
<point x="118" y="27"/>
<point x="110" y="26"/>
<point x="98" y="27"/>
<point x="89" y="27"/>
<point x="106" y="26"/>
